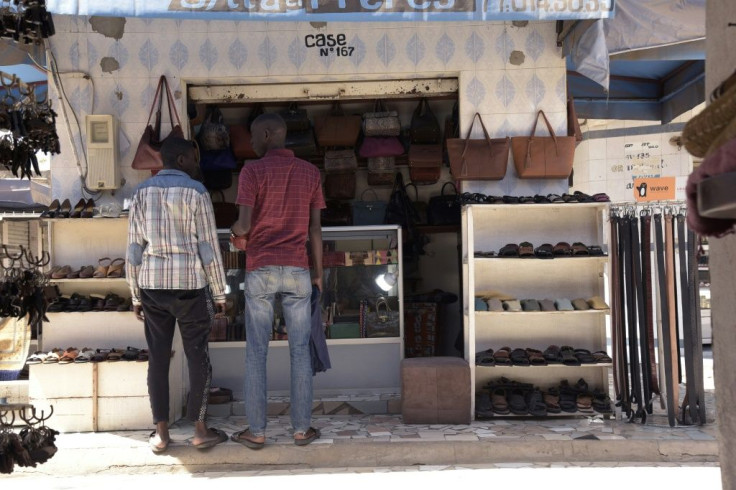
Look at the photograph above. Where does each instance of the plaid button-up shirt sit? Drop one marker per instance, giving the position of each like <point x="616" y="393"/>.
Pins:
<point x="172" y="237"/>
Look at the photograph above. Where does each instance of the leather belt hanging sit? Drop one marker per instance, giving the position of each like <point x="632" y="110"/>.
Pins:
<point x="664" y="304"/>
<point x="697" y="416"/>
<point x="644" y="367"/>
<point x="623" y="354"/>
<point x="616" y="328"/>
<point x="672" y="306"/>
<point x="646" y="264"/>
<point x="631" y="311"/>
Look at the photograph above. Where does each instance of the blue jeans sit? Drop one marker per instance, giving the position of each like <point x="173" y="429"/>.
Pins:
<point x="294" y="286"/>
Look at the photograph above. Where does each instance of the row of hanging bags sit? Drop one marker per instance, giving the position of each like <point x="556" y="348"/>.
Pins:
<point x="338" y="134"/>
<point x="425" y="149"/>
<point x="381" y="144"/>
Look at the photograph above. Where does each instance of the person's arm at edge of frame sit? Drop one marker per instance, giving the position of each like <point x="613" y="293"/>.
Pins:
<point x="315" y="242"/>
<point x="134" y="256"/>
<point x="241" y="227"/>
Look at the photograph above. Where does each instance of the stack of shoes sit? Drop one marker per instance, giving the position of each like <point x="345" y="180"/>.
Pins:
<point x="504" y="397"/>
<point x="524" y="357"/>
<point x="83" y="209"/>
<point x="576" y="197"/>
<point x="73" y="355"/>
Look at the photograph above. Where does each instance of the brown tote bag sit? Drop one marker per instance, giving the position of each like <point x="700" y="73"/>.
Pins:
<point x="337" y="129"/>
<point x="148" y="154"/>
<point x="543" y="157"/>
<point x="482" y="159"/>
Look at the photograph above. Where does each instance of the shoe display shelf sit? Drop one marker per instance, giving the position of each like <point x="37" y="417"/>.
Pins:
<point x="96" y="396"/>
<point x="487" y="227"/>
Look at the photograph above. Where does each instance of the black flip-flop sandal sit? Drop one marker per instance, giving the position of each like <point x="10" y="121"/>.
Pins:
<point x="310" y="435"/>
<point x="236" y="437"/>
<point x="221" y="437"/>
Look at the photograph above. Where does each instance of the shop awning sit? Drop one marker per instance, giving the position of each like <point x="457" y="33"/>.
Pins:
<point x="647" y="63"/>
<point x="341" y="10"/>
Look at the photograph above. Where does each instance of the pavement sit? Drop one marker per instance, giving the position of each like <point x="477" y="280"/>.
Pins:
<point x="374" y="443"/>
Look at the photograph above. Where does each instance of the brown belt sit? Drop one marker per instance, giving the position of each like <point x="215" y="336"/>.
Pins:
<point x="672" y="306"/>
<point x="646" y="263"/>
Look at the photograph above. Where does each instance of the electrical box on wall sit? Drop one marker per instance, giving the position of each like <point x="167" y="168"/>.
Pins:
<point x="102" y="152"/>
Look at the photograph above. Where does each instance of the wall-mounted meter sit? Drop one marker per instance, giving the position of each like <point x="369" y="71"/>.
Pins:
<point x="102" y="152"/>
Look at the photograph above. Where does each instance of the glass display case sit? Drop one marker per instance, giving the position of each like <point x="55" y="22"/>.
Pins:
<point x="362" y="314"/>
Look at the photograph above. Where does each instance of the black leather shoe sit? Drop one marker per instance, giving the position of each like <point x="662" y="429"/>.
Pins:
<point x="78" y="208"/>
<point x="65" y="209"/>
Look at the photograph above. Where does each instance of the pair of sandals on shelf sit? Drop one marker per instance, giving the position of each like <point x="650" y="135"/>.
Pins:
<point x="84" y="355"/>
<point x="106" y="268"/>
<point x="576" y="197"/>
<point x="83" y="303"/>
<point x="566" y="355"/>
<point x="483" y="303"/>
<point x="544" y="251"/>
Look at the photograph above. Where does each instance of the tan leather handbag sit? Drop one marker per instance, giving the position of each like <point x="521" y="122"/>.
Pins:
<point x="543" y="157"/>
<point x="481" y="159"/>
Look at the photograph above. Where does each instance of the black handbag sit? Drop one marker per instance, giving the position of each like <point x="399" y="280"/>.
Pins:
<point x="368" y="212"/>
<point x="296" y="119"/>
<point x="424" y="129"/>
<point x="445" y="208"/>
<point x="217" y="180"/>
<point x="337" y="213"/>
<point x="213" y="134"/>
<point x="400" y="211"/>
<point x="302" y="143"/>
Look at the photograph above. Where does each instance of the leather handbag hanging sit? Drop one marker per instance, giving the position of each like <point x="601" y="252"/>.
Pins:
<point x="148" y="153"/>
<point x="337" y="213"/>
<point x="425" y="163"/>
<point x="445" y="208"/>
<point x="482" y="159"/>
<point x="337" y="129"/>
<point x="381" y="122"/>
<point x="381" y="170"/>
<point x="340" y="160"/>
<point x="340" y="185"/>
<point x="296" y="119"/>
<point x="368" y="212"/>
<point x="425" y="129"/>
<point x="543" y="157"/>
<point x="213" y="134"/>
<point x="302" y="143"/>
<point x="240" y="136"/>
<point x="381" y="146"/>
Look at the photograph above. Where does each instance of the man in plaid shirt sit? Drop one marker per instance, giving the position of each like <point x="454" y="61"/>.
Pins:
<point x="280" y="202"/>
<point x="173" y="263"/>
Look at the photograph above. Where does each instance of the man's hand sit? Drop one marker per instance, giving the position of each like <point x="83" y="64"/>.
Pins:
<point x="317" y="281"/>
<point x="138" y="310"/>
<point x="220" y="309"/>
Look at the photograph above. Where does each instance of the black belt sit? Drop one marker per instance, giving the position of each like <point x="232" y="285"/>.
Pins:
<point x="616" y="329"/>
<point x="664" y="305"/>
<point x="697" y="334"/>
<point x="631" y="311"/>
<point x="646" y="263"/>
<point x="644" y="367"/>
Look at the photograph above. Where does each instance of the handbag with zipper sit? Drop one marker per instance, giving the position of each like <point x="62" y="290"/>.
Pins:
<point x="445" y="208"/>
<point x="337" y="129"/>
<point x="381" y="170"/>
<point x="368" y="212"/>
<point x="425" y="130"/>
<point x="340" y="185"/>
<point x="381" y="122"/>
<point x="425" y="163"/>
<point x="340" y="160"/>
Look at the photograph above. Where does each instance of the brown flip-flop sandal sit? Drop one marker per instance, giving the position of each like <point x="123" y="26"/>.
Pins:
<point x="242" y="437"/>
<point x="102" y="267"/>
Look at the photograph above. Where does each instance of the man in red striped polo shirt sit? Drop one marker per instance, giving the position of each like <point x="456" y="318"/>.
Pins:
<point x="280" y="201"/>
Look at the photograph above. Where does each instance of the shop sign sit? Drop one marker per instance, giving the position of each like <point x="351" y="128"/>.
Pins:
<point x="342" y="10"/>
<point x="655" y="189"/>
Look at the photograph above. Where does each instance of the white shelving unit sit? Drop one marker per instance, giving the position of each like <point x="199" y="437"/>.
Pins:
<point x="488" y="228"/>
<point x="108" y="395"/>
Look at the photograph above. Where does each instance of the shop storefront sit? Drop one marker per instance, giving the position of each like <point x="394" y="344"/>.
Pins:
<point x="500" y="62"/>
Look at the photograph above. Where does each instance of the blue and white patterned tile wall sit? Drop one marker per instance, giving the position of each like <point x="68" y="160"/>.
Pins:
<point x="506" y="73"/>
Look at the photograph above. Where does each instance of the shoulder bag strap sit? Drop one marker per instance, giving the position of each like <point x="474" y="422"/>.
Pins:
<point x="157" y="98"/>
<point x="442" y="192"/>
<point x="171" y="104"/>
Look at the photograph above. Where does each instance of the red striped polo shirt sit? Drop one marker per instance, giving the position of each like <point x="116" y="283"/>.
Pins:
<point x="282" y="190"/>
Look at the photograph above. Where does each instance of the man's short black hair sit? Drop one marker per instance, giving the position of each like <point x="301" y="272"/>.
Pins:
<point x="172" y="148"/>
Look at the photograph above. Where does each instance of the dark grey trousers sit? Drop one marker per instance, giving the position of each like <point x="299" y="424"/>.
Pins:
<point x="162" y="309"/>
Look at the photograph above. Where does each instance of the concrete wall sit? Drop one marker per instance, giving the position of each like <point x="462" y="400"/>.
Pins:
<point x="614" y="153"/>
<point x="112" y="65"/>
<point x="720" y="63"/>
